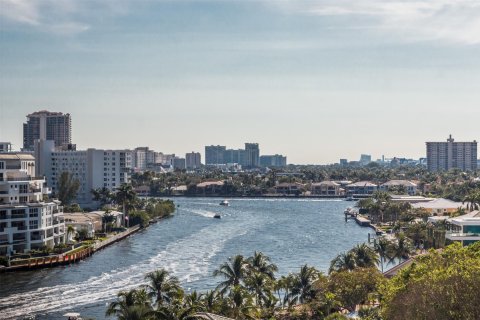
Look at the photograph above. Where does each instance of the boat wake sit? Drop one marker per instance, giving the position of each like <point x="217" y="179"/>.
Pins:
<point x="187" y="258"/>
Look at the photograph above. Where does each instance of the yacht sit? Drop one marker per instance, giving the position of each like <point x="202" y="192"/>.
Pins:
<point x="224" y="203"/>
<point x="217" y="216"/>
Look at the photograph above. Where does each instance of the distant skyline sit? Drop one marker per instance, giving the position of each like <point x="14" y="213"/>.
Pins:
<point x="314" y="80"/>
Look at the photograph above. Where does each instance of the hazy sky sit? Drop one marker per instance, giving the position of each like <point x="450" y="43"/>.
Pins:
<point x="314" y="80"/>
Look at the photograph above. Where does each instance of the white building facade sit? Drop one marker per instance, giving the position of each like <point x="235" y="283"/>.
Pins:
<point x="27" y="220"/>
<point x="93" y="168"/>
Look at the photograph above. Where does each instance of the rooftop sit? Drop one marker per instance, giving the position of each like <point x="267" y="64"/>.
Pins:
<point x="362" y="184"/>
<point x="439" y="203"/>
<point x="405" y="183"/>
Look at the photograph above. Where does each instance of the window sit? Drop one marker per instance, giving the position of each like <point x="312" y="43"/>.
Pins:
<point x="2" y="165"/>
<point x="33" y="224"/>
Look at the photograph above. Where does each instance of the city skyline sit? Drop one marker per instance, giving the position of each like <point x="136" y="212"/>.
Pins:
<point x="314" y="80"/>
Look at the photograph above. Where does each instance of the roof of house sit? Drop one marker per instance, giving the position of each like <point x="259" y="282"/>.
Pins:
<point x="16" y="156"/>
<point x="326" y="183"/>
<point x="288" y="184"/>
<point x="210" y="183"/>
<point x="405" y="183"/>
<point x="471" y="216"/>
<point x="439" y="203"/>
<point x="362" y="184"/>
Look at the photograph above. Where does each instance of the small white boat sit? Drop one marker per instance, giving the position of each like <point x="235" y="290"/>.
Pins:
<point x="72" y="316"/>
<point x="217" y="216"/>
<point x="224" y="203"/>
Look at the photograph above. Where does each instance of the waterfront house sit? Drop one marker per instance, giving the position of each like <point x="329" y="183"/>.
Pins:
<point x="210" y="187"/>
<point x="93" y="221"/>
<point x="408" y="187"/>
<point x="327" y="188"/>
<point x="361" y="188"/>
<point x="287" y="188"/>
<point x="465" y="228"/>
<point x="440" y="206"/>
<point x="28" y="221"/>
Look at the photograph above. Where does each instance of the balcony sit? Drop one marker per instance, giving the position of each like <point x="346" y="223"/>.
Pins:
<point x="23" y="178"/>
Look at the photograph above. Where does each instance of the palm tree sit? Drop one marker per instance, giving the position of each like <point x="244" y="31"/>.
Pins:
<point x="233" y="271"/>
<point x="343" y="262"/>
<point x="302" y="289"/>
<point x="130" y="305"/>
<point x="126" y="197"/>
<point x="365" y="256"/>
<point x="261" y="263"/>
<point x="240" y="304"/>
<point x="260" y="285"/>
<point x="382" y="247"/>
<point x="162" y="287"/>
<point x="401" y="248"/>
<point x="473" y="201"/>
<point x="211" y="301"/>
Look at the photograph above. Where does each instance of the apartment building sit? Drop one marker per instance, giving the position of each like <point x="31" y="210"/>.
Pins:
<point x="193" y="160"/>
<point x="47" y="125"/>
<point x="93" y="168"/>
<point x="443" y="156"/>
<point x="27" y="220"/>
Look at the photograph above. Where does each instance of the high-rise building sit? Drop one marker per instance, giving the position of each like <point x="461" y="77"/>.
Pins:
<point x="179" y="163"/>
<point x="276" y="160"/>
<point x="235" y="156"/>
<point x="193" y="160"/>
<point x="214" y="155"/>
<point x="28" y="221"/>
<point x="451" y="154"/>
<point x="47" y="125"/>
<point x="142" y="157"/>
<point x="252" y="155"/>
<point x="365" y="159"/>
<point x="93" y="168"/>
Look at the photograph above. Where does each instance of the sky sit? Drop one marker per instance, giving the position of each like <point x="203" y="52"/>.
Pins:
<point x="313" y="80"/>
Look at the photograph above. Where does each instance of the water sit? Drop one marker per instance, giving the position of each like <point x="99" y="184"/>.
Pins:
<point x="191" y="245"/>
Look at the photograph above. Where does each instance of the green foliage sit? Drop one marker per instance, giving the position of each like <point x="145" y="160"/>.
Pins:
<point x="138" y="218"/>
<point x="67" y="188"/>
<point x="440" y="285"/>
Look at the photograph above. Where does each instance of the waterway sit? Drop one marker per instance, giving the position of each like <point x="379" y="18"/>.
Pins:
<point x="191" y="245"/>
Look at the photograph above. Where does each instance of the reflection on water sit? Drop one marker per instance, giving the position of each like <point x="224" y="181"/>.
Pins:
<point x="191" y="245"/>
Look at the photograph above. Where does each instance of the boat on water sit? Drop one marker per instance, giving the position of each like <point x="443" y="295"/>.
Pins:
<point x="72" y="316"/>
<point x="349" y="199"/>
<point x="224" y="203"/>
<point x="217" y="216"/>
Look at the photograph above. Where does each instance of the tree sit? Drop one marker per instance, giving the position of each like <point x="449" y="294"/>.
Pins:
<point x="67" y="188"/>
<point x="382" y="248"/>
<point x="439" y="285"/>
<point x="103" y="195"/>
<point x="365" y="256"/>
<point x="352" y="288"/>
<point x="343" y="261"/>
<point x="162" y="287"/>
<point x="401" y="248"/>
<point x="302" y="288"/>
<point x="260" y="263"/>
<point x="233" y="272"/>
<point x="126" y="197"/>
<point x="472" y="200"/>
<point x="131" y="305"/>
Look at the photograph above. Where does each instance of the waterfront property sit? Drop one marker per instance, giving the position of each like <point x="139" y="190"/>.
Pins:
<point x="289" y="188"/>
<point x="361" y="188"/>
<point x="93" y="168"/>
<point x="440" y="206"/>
<point x="327" y="188"/>
<point x="27" y="220"/>
<point x="93" y="222"/>
<point x="408" y="187"/>
<point x="465" y="228"/>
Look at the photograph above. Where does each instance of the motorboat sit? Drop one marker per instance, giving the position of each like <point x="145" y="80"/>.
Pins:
<point x="224" y="203"/>
<point x="217" y="216"/>
<point x="72" y="316"/>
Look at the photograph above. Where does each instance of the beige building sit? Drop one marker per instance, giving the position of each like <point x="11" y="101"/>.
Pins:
<point x="327" y="188"/>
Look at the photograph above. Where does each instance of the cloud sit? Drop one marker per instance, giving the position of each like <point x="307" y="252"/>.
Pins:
<point x="62" y="17"/>
<point x="447" y="20"/>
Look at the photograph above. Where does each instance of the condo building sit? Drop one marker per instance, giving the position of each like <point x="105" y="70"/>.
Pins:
<point x="93" y="168"/>
<point x="214" y="155"/>
<point x="28" y="221"/>
<point x="443" y="156"/>
<point x="47" y="125"/>
<point x="276" y="160"/>
<point x="252" y="155"/>
<point x="193" y="160"/>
